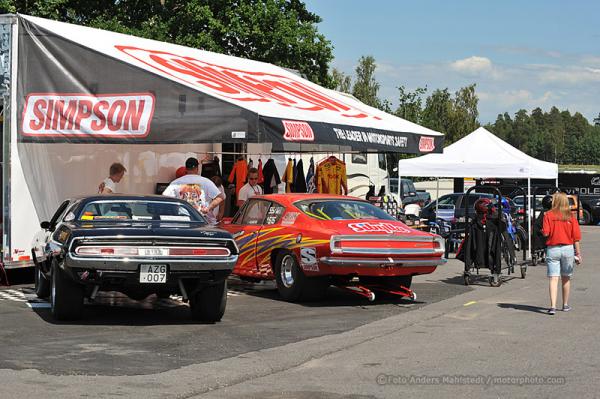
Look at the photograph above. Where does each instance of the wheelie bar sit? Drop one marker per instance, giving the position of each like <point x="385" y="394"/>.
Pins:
<point x="360" y="290"/>
<point x="368" y="293"/>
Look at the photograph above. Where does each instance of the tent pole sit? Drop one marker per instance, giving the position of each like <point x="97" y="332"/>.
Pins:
<point x="437" y="195"/>
<point x="529" y="216"/>
<point x="399" y="187"/>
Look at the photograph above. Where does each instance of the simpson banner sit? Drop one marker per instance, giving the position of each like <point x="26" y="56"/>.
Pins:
<point x="84" y="85"/>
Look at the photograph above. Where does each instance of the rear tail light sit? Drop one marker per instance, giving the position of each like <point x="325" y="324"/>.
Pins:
<point x="152" y="251"/>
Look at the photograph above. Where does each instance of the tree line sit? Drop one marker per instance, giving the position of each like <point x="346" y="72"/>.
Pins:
<point x="285" y="33"/>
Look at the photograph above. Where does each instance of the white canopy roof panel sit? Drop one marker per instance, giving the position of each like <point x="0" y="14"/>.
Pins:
<point x="481" y="154"/>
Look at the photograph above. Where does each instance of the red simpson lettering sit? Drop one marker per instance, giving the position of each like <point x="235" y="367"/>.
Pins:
<point x="74" y="114"/>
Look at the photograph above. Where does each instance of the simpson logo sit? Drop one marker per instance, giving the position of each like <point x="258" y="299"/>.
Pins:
<point x="426" y="144"/>
<point x="110" y="115"/>
<point x="298" y="131"/>
<point x="388" y="228"/>
<point x="242" y="85"/>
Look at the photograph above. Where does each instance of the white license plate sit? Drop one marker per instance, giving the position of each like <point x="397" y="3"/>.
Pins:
<point x="153" y="273"/>
<point x="154" y="251"/>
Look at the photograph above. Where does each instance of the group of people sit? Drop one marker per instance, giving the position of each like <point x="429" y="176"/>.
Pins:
<point x="206" y="195"/>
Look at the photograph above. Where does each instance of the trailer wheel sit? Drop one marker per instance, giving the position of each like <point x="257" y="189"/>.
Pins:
<point x="495" y="281"/>
<point x="66" y="296"/>
<point x="209" y="303"/>
<point x="467" y="278"/>
<point x="523" y="272"/>
<point x="42" y="285"/>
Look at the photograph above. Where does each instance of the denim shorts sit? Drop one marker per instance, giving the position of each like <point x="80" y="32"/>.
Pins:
<point x="560" y="260"/>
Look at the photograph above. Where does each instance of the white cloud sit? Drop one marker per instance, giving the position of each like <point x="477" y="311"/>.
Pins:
<point x="570" y="75"/>
<point x="473" y="65"/>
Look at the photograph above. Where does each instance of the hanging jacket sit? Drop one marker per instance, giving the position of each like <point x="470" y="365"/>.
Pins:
<point x="261" y="177"/>
<point x="288" y="176"/>
<point x="310" y="177"/>
<point x="299" y="179"/>
<point x="271" y="175"/>
<point x="239" y="173"/>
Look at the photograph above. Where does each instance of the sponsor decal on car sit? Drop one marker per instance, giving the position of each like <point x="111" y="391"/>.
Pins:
<point x="289" y="218"/>
<point x="426" y="144"/>
<point x="107" y="115"/>
<point x="297" y="131"/>
<point x="368" y="227"/>
<point x="242" y="85"/>
<point x="308" y="259"/>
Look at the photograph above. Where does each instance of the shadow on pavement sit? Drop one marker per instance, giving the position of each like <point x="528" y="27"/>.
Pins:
<point x="527" y="308"/>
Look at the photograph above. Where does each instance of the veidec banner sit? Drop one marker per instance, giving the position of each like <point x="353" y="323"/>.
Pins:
<point x="112" y="88"/>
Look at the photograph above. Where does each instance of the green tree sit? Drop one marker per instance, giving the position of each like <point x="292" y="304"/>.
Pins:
<point x="341" y="81"/>
<point x="365" y="87"/>
<point x="282" y="32"/>
<point x="410" y="104"/>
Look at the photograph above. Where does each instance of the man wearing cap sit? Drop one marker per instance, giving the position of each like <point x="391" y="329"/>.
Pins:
<point x="199" y="191"/>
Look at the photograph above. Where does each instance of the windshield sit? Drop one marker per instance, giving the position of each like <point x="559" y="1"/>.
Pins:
<point x="341" y="210"/>
<point x="139" y="210"/>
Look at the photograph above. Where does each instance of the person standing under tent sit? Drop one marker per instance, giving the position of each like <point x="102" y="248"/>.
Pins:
<point x="250" y="189"/>
<point x="219" y="211"/>
<point x="199" y="191"/>
<point x="109" y="185"/>
<point x="563" y="235"/>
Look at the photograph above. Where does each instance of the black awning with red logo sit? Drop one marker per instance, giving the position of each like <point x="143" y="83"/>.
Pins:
<point x="83" y="85"/>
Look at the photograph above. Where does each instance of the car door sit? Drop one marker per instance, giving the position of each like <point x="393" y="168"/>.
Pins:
<point x="245" y="228"/>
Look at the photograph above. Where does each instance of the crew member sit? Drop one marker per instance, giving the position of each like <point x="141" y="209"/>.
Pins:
<point x="109" y="185"/>
<point x="199" y="191"/>
<point x="251" y="188"/>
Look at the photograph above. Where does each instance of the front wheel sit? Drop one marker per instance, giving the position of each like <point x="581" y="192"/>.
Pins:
<point x="209" y="303"/>
<point x="42" y="285"/>
<point x="66" y="296"/>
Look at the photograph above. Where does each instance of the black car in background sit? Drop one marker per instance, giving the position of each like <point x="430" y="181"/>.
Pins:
<point x="137" y="245"/>
<point x="455" y="202"/>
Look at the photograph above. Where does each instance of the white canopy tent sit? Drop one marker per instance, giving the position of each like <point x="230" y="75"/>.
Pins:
<point x="481" y="155"/>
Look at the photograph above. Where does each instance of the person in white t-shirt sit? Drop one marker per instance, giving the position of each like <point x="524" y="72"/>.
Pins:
<point x="109" y="185"/>
<point x="251" y="188"/>
<point x="219" y="211"/>
<point x="199" y="191"/>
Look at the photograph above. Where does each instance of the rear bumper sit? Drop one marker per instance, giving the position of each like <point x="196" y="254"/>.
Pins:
<point x="380" y="263"/>
<point x="133" y="265"/>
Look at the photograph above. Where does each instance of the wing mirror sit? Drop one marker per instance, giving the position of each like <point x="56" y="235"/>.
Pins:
<point x="45" y="225"/>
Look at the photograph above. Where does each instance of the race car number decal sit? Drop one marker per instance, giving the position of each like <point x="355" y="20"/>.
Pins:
<point x="308" y="259"/>
<point x="367" y="227"/>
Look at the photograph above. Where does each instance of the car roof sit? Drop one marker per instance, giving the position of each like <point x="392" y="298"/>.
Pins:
<point x="290" y="198"/>
<point x="125" y="197"/>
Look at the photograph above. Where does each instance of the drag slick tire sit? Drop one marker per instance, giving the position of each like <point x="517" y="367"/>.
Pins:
<point x="42" y="285"/>
<point x="208" y="304"/>
<point x="291" y="282"/>
<point x="66" y="296"/>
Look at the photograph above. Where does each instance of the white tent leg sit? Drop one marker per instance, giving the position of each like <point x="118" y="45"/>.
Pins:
<point x="437" y="195"/>
<point x="529" y="216"/>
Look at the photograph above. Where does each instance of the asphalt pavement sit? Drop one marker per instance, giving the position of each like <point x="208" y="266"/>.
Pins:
<point x="457" y="342"/>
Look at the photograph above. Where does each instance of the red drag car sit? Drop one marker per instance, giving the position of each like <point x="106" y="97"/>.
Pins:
<point x="307" y="242"/>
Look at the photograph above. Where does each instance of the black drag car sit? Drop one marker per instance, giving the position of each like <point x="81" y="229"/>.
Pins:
<point x="137" y="245"/>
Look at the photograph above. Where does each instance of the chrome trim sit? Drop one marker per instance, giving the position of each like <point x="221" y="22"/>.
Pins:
<point x="154" y="256"/>
<point x="387" y="238"/>
<point x="126" y="264"/>
<point x="362" y="262"/>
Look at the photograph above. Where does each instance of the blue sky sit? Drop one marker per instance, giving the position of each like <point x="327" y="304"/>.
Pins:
<point x="521" y="54"/>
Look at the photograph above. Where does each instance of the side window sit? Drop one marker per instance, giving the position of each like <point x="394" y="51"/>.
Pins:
<point x="59" y="212"/>
<point x="237" y="219"/>
<point x="382" y="161"/>
<point x="255" y="212"/>
<point x="449" y="200"/>
<point x="274" y="214"/>
<point x="405" y="188"/>
<point x="360" y="158"/>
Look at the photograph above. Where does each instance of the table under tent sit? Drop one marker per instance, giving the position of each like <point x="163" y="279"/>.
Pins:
<point x="483" y="155"/>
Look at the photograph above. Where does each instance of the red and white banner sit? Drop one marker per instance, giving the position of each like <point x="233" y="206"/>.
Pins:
<point x="107" y="115"/>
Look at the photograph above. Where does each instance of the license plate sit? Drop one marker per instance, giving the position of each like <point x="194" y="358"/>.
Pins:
<point x="153" y="273"/>
<point x="154" y="252"/>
